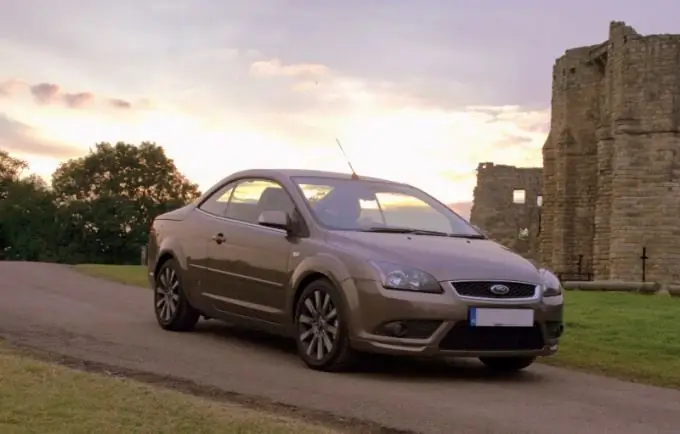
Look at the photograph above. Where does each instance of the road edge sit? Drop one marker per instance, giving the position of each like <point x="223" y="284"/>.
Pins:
<point x="211" y="393"/>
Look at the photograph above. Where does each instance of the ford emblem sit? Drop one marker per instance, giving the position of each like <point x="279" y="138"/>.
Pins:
<point x="499" y="289"/>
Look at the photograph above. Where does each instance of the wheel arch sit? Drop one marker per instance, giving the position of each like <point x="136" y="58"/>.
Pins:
<point x="162" y="259"/>
<point x="321" y="266"/>
<point x="169" y="249"/>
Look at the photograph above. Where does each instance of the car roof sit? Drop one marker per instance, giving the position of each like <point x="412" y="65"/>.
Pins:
<point x="285" y="173"/>
<point x="290" y="173"/>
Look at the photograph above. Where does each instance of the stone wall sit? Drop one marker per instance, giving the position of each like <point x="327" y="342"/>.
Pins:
<point x="611" y="177"/>
<point x="507" y="205"/>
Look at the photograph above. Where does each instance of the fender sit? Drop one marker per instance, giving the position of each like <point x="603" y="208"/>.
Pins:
<point x="330" y="266"/>
<point x="173" y="247"/>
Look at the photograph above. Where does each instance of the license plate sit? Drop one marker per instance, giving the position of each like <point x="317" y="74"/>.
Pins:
<point x="480" y="317"/>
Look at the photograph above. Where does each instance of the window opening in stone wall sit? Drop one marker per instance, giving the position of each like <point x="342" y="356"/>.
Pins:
<point x="519" y="196"/>
<point x="572" y="70"/>
<point x="523" y="233"/>
<point x="539" y="201"/>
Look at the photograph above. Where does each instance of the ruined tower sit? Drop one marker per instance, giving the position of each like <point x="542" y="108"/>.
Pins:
<point x="611" y="163"/>
<point x="506" y="205"/>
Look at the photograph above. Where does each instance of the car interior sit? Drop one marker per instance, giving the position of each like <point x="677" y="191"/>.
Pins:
<point x="272" y="199"/>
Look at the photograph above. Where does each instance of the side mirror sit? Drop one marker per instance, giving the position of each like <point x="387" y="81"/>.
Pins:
<point x="275" y="219"/>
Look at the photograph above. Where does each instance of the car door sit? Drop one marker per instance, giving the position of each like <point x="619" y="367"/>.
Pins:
<point x="254" y="258"/>
<point x="211" y="229"/>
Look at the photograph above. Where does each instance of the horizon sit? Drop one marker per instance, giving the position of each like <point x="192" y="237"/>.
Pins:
<point x="203" y="80"/>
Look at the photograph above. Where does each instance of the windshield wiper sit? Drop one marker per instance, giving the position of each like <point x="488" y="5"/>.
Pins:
<point x="469" y="236"/>
<point x="397" y="230"/>
<point x="387" y="229"/>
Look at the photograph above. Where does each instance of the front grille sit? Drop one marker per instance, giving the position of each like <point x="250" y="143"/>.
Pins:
<point x="481" y="289"/>
<point x="463" y="337"/>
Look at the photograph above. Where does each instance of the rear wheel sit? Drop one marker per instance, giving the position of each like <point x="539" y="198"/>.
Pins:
<point x="173" y="311"/>
<point x="507" y="364"/>
<point x="321" y="328"/>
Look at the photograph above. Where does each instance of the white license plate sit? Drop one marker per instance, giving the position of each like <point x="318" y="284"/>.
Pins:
<point x="480" y="317"/>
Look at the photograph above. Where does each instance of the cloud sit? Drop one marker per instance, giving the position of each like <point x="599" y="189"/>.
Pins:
<point x="118" y="103"/>
<point x="274" y="67"/>
<point x="312" y="88"/>
<point x="375" y="113"/>
<point x="11" y="86"/>
<point x="18" y="137"/>
<point x="77" y="100"/>
<point x="45" y="93"/>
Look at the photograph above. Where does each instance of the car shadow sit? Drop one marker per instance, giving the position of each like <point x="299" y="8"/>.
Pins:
<point x="376" y="366"/>
<point x="246" y="336"/>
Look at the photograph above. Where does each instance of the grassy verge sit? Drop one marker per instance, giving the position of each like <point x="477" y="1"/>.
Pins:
<point x="630" y="336"/>
<point x="128" y="274"/>
<point x="40" y="397"/>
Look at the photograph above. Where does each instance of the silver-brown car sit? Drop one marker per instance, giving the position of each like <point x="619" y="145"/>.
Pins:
<point x="348" y="265"/>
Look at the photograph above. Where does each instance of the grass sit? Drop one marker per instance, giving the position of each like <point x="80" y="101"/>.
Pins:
<point x="629" y="336"/>
<point x="127" y="274"/>
<point x="39" y="397"/>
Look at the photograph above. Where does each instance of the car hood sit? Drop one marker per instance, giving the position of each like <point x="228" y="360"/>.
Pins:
<point x="444" y="258"/>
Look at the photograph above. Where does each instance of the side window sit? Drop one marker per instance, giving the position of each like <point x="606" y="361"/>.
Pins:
<point x="253" y="196"/>
<point x="314" y="192"/>
<point x="217" y="203"/>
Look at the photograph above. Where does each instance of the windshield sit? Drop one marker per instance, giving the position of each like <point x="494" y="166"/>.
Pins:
<point x="360" y="205"/>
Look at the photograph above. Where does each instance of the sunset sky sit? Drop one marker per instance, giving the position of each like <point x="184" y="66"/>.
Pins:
<point x="416" y="91"/>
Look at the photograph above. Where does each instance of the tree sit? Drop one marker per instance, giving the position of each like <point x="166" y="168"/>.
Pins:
<point x="114" y="193"/>
<point x="29" y="229"/>
<point x="10" y="171"/>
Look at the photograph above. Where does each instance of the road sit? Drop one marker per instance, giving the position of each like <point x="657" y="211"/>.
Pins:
<point x="54" y="308"/>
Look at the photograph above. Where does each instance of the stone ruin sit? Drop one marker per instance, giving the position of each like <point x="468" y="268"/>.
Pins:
<point x="506" y="206"/>
<point x="610" y="188"/>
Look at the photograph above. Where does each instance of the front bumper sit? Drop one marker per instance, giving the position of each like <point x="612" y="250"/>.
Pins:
<point x="436" y="325"/>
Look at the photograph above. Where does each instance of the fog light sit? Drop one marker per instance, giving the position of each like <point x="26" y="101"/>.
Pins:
<point x="408" y="328"/>
<point x="396" y="328"/>
<point x="554" y="329"/>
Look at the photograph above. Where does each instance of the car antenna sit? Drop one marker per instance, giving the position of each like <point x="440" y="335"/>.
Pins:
<point x="349" y="163"/>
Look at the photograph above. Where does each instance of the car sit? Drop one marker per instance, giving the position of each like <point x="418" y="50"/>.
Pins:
<point x="348" y="265"/>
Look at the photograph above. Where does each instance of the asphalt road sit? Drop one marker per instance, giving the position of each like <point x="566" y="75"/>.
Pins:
<point x="54" y="308"/>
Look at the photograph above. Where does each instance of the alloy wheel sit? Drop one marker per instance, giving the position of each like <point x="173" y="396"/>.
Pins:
<point x="318" y="325"/>
<point x="167" y="294"/>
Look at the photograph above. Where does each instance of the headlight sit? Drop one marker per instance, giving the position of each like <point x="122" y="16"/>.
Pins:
<point x="551" y="284"/>
<point x="394" y="276"/>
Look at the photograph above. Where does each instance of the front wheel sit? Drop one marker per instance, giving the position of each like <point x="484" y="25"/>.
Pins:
<point x="321" y="328"/>
<point x="507" y="364"/>
<point x="173" y="311"/>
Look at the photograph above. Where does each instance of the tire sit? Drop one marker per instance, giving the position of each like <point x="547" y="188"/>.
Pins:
<point x="168" y="292"/>
<point x="507" y="364"/>
<point x="311" y="327"/>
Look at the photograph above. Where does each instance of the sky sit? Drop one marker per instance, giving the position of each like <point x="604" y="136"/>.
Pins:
<point x="417" y="92"/>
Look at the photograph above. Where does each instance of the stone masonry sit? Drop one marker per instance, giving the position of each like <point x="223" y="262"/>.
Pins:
<point x="611" y="169"/>
<point x="611" y="164"/>
<point x="507" y="205"/>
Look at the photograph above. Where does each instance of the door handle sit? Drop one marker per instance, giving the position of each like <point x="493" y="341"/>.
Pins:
<point x="219" y="238"/>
